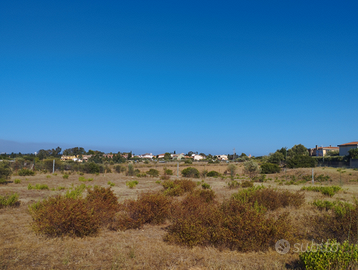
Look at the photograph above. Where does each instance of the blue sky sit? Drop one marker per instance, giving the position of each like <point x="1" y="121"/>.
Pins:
<point x="157" y="76"/>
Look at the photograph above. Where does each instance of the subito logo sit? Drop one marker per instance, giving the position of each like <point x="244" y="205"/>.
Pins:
<point x="282" y="246"/>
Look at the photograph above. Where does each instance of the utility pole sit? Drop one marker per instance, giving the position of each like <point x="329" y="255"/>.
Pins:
<point x="53" y="167"/>
<point x="234" y="155"/>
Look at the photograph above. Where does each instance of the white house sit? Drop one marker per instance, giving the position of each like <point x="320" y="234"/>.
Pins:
<point x="147" y="155"/>
<point x="344" y="148"/>
<point x="222" y="157"/>
<point x="197" y="157"/>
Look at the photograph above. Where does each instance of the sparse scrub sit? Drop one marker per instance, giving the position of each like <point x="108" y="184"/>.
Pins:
<point x="65" y="176"/>
<point x="233" y="184"/>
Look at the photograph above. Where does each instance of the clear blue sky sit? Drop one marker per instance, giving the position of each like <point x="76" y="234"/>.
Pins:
<point x="157" y="76"/>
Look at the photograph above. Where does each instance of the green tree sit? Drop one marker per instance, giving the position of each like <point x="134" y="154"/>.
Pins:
<point x="167" y="156"/>
<point x="75" y="151"/>
<point x="298" y="150"/>
<point x="353" y="153"/>
<point x="276" y="157"/>
<point x="5" y="171"/>
<point x="232" y="169"/>
<point x="251" y="168"/>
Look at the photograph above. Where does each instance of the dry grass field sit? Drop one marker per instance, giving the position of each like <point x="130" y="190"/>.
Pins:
<point x="21" y="248"/>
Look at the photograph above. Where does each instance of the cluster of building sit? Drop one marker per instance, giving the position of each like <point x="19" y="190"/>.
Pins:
<point x="342" y="149"/>
<point x="195" y="157"/>
<point x="181" y="156"/>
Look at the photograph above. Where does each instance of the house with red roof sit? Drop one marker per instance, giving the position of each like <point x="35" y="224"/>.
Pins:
<point x="344" y="148"/>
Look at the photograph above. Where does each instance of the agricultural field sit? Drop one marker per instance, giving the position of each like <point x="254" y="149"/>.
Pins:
<point x="304" y="211"/>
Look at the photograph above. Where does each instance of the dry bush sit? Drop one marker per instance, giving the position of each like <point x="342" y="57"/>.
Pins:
<point x="270" y="198"/>
<point x="59" y="216"/>
<point x="150" y="208"/>
<point x="340" y="222"/>
<point x="178" y="187"/>
<point x="246" y="184"/>
<point x="232" y="224"/>
<point x="104" y="203"/>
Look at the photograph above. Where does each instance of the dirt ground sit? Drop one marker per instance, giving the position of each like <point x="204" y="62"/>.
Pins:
<point x="21" y="248"/>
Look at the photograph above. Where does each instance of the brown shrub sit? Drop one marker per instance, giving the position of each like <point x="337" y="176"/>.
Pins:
<point x="233" y="224"/>
<point x="246" y="184"/>
<point x="58" y="216"/>
<point x="178" y="187"/>
<point x="149" y="208"/>
<point x="104" y="203"/>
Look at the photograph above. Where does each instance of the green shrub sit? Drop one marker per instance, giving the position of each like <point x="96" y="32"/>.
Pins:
<point x="9" y="200"/>
<point x="168" y="172"/>
<point x="130" y="171"/>
<point x="153" y="173"/>
<point x="330" y="255"/>
<point x="75" y="192"/>
<point x="17" y="181"/>
<point x="188" y="161"/>
<point x="65" y="176"/>
<point x="269" y="198"/>
<point x="190" y="172"/>
<point x="205" y="186"/>
<point x="270" y="168"/>
<point x="327" y="190"/>
<point x="213" y="174"/>
<point x="25" y="172"/>
<point x="111" y="184"/>
<point x="141" y="175"/>
<point x="38" y="186"/>
<point x="131" y="184"/>
<point x="337" y="206"/>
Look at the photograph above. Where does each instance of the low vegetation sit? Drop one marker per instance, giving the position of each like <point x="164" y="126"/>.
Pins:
<point x="9" y="200"/>
<point x="325" y="190"/>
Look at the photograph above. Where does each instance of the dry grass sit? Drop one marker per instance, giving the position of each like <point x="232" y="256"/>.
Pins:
<point x="21" y="248"/>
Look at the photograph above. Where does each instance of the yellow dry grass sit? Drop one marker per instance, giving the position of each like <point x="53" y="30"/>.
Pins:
<point x="21" y="248"/>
